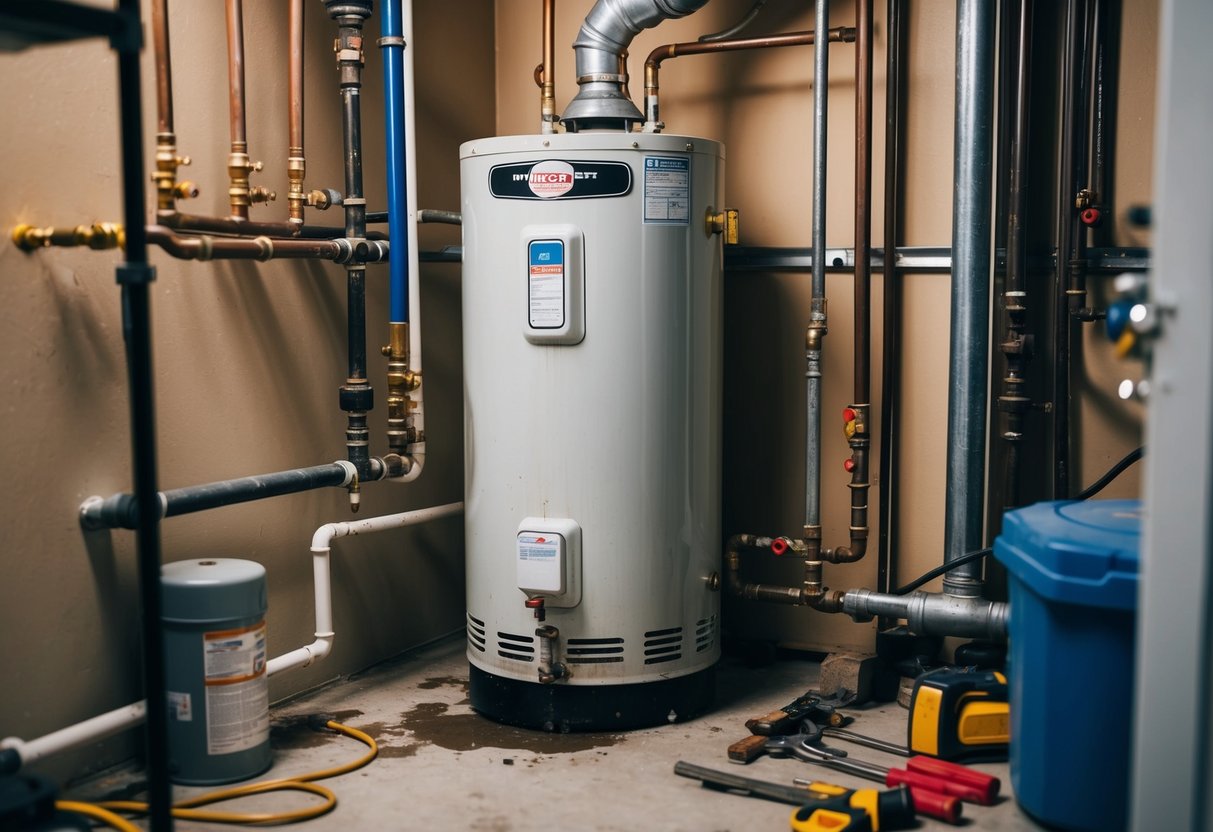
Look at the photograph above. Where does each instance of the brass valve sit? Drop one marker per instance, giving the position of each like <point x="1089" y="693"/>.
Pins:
<point x="726" y="222"/>
<point x="400" y="382"/>
<point x="99" y="236"/>
<point x="168" y="189"/>
<point x="240" y="194"/>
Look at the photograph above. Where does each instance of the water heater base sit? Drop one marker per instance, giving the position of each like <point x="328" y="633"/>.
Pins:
<point x="564" y="708"/>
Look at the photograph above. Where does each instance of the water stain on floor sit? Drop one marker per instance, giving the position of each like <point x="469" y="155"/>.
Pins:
<point x="434" y="682"/>
<point x="300" y="731"/>
<point x="432" y="723"/>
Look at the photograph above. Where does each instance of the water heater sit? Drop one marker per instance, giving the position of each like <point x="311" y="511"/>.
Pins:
<point x="592" y="356"/>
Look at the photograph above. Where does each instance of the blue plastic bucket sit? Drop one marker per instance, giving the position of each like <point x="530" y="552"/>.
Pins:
<point x="1073" y="590"/>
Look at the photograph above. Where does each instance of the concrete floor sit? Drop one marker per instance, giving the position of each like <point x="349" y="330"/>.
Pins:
<point x="441" y="766"/>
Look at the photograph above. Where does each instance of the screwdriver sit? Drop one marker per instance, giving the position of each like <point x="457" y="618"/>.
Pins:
<point x="889" y="810"/>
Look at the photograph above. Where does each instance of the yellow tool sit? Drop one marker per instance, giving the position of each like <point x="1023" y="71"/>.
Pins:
<point x="960" y="715"/>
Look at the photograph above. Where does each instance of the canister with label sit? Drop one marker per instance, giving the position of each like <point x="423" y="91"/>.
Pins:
<point x="215" y="668"/>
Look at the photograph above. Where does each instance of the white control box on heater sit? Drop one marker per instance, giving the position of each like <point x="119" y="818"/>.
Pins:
<point x="549" y="560"/>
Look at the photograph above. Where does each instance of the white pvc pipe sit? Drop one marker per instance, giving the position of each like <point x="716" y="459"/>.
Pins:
<point x="130" y="716"/>
<point x="322" y="542"/>
<point x="417" y="450"/>
<point x="91" y="730"/>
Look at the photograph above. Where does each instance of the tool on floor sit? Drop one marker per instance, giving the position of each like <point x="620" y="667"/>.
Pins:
<point x="928" y="793"/>
<point x="822" y="710"/>
<point x="825" y="819"/>
<point x="960" y="715"/>
<point x="889" y="810"/>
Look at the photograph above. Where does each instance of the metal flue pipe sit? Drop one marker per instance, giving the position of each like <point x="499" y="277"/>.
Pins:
<point x="606" y="33"/>
<point x="971" y="264"/>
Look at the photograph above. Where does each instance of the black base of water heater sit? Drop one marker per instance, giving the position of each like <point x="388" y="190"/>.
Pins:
<point x="563" y="708"/>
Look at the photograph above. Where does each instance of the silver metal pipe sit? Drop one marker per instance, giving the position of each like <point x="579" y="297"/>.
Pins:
<point x="607" y="31"/>
<point x="817" y="311"/>
<point x="821" y="75"/>
<point x="931" y="613"/>
<point x="971" y="228"/>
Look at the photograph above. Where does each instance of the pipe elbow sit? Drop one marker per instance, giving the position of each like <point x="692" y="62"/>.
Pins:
<point x="321" y="647"/>
<point x="412" y="465"/>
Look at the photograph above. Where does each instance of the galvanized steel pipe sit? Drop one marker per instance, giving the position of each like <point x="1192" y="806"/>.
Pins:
<point x="971" y="227"/>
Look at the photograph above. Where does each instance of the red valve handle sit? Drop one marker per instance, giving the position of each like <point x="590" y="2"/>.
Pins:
<point x="848" y="415"/>
<point x="779" y="546"/>
<point x="848" y="464"/>
<point x="1090" y="216"/>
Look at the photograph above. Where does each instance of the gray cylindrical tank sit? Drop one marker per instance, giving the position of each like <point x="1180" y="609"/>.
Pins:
<point x="215" y="668"/>
<point x="592" y="373"/>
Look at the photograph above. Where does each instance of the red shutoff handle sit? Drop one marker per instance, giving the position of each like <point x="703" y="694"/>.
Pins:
<point x="779" y="546"/>
<point x="848" y="415"/>
<point x="935" y="805"/>
<point x="1090" y="216"/>
<point x="987" y="784"/>
<point x="931" y="783"/>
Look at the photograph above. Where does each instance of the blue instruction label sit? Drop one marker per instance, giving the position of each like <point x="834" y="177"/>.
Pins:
<point x="667" y="190"/>
<point x="545" y="284"/>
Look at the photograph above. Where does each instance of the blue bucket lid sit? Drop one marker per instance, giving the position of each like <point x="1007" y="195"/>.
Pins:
<point x="208" y="590"/>
<point x="1075" y="552"/>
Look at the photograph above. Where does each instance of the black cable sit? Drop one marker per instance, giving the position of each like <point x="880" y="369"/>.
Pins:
<point x="1086" y="494"/>
<point x="969" y="557"/>
<point x="1113" y="472"/>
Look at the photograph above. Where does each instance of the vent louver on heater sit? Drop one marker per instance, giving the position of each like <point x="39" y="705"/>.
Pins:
<point x="594" y="650"/>
<point x="663" y="645"/>
<point x="516" y="647"/>
<point x="705" y="634"/>
<point x="476" y="632"/>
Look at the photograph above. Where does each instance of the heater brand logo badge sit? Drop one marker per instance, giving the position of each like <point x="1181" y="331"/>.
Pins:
<point x="551" y="179"/>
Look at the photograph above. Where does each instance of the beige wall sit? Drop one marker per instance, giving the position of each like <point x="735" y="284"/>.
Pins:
<point x="248" y="361"/>
<point x="760" y="105"/>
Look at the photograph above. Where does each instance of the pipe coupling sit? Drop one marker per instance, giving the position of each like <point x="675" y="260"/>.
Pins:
<point x="932" y="614"/>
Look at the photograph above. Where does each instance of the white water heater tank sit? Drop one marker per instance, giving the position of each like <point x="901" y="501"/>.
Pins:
<point x="592" y="354"/>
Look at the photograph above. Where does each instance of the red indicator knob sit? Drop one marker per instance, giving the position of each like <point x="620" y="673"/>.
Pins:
<point x="1090" y="216"/>
<point x="779" y="546"/>
<point x="534" y="603"/>
<point x="849" y="465"/>
<point x="848" y="415"/>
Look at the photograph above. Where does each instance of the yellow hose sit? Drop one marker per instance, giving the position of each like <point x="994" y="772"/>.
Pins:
<point x="187" y="809"/>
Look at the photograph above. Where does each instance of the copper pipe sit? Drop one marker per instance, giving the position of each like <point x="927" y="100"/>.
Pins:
<point x="168" y="190"/>
<point x="164" y="71"/>
<point x="239" y="166"/>
<point x="192" y="223"/>
<point x="260" y="248"/>
<point x="652" y="65"/>
<point x="295" y="164"/>
<point x="235" y="72"/>
<point x="547" y="97"/>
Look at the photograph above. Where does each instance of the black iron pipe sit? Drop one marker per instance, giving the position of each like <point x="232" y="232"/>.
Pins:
<point x="356" y="397"/>
<point x="890" y="380"/>
<point x="123" y="511"/>
<point x="1013" y="403"/>
<point x="1063" y="233"/>
<point x="134" y="276"/>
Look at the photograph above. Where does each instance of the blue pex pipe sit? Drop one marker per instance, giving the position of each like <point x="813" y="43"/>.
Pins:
<point x="397" y="199"/>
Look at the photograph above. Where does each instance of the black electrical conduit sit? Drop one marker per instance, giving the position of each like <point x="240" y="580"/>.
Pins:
<point x="135" y="275"/>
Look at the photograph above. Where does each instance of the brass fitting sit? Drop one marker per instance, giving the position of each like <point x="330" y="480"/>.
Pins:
<point x="240" y="195"/>
<point x="295" y="167"/>
<point x="99" y="236"/>
<point x="726" y="222"/>
<point x="168" y="189"/>
<point x="400" y="382"/>
<point x="816" y="331"/>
